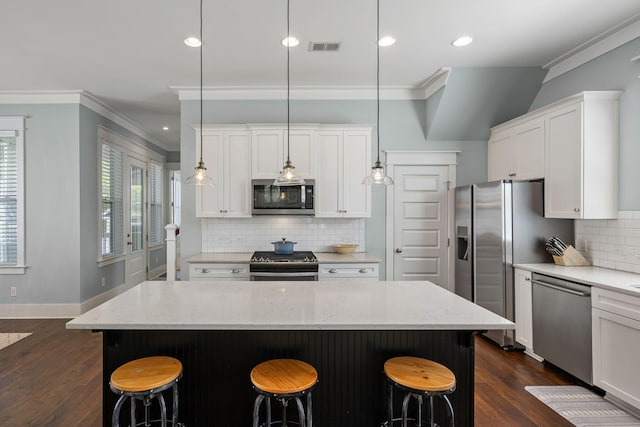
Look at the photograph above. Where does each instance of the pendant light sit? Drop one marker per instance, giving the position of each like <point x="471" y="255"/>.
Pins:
<point x="288" y="175"/>
<point x="200" y="176"/>
<point x="378" y="176"/>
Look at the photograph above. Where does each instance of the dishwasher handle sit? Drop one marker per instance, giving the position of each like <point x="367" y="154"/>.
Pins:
<point x="560" y="288"/>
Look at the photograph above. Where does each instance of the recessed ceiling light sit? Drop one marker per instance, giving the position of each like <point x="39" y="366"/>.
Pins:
<point x="462" y="41"/>
<point x="192" y="41"/>
<point x="165" y="127"/>
<point x="386" y="41"/>
<point x="290" y="41"/>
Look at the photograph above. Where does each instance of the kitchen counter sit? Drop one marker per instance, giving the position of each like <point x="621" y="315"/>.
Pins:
<point x="605" y="278"/>
<point x="245" y="257"/>
<point x="333" y="305"/>
<point x="221" y="330"/>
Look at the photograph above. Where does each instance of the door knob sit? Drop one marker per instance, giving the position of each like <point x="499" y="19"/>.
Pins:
<point x="398" y="250"/>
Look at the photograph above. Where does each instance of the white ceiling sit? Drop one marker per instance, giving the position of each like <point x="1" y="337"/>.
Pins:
<point x="129" y="53"/>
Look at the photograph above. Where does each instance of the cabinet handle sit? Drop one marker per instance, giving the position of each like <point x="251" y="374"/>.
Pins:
<point x="204" y="270"/>
<point x="221" y="211"/>
<point x="528" y="279"/>
<point x="333" y="270"/>
<point x="512" y="174"/>
<point x="235" y="271"/>
<point x="398" y="250"/>
<point x="363" y="270"/>
<point x="576" y="209"/>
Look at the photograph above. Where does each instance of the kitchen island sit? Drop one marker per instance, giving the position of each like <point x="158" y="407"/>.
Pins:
<point x="220" y="330"/>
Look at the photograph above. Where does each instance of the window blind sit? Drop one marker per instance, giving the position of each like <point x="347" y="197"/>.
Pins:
<point x="155" y="203"/>
<point x="8" y="201"/>
<point x="112" y="215"/>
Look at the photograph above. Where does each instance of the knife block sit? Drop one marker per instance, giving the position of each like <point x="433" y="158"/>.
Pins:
<point x="570" y="258"/>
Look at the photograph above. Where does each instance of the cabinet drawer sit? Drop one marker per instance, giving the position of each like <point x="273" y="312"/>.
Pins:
<point x="616" y="302"/>
<point x="359" y="271"/>
<point x="218" y="271"/>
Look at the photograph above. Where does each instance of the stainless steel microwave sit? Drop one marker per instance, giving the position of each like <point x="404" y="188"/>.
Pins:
<point x="269" y="199"/>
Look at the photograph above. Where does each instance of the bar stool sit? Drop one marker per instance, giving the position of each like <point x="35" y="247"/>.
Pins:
<point x="418" y="378"/>
<point x="283" y="380"/>
<point x="145" y="379"/>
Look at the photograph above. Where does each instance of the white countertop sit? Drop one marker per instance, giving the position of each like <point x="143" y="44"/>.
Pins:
<point x="599" y="277"/>
<point x="245" y="257"/>
<point x="289" y="305"/>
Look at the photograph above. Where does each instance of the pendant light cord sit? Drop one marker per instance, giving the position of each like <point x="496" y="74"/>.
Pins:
<point x="378" y="76"/>
<point x="288" y="81"/>
<point x="201" y="43"/>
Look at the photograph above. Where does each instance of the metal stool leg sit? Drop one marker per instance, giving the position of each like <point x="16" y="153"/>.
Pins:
<point x="419" y="419"/>
<point x="284" y="412"/>
<point x="174" y="412"/>
<point x="390" y="413"/>
<point x="268" y="412"/>
<point x="133" y="411"/>
<point x="300" y="412"/>
<point x="431" y="422"/>
<point x="115" y="418"/>
<point x="163" y="410"/>
<point x="256" y="410"/>
<point x="450" y="409"/>
<point x="405" y="409"/>
<point x="309" y="411"/>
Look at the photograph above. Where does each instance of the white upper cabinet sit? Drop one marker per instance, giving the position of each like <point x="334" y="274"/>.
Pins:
<point x="573" y="145"/>
<point x="269" y="150"/>
<point x="227" y="156"/>
<point x="581" y="161"/>
<point x="516" y="150"/>
<point x="344" y="159"/>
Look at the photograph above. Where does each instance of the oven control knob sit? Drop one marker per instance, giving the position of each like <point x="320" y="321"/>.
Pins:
<point x="235" y="271"/>
<point x="204" y="270"/>
<point x="333" y="270"/>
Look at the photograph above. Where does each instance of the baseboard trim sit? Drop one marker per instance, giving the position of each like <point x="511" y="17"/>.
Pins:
<point x="57" y="311"/>
<point x="158" y="271"/>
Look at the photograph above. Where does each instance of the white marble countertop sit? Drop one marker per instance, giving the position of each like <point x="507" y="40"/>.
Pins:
<point x="289" y="305"/>
<point x="245" y="257"/>
<point x="599" y="277"/>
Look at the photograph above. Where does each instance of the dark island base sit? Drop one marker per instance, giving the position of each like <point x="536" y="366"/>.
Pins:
<point x="215" y="389"/>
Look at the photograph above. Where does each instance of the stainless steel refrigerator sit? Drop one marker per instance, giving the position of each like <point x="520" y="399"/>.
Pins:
<point x="499" y="224"/>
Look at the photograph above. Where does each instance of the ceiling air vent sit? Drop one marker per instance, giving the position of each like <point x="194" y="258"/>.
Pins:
<point x="324" y="47"/>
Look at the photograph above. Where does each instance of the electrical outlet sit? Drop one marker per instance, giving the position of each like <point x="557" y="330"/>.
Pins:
<point x="102" y="282"/>
<point x="14" y="291"/>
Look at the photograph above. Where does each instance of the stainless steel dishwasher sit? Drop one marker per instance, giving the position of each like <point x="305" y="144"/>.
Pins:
<point x="562" y="324"/>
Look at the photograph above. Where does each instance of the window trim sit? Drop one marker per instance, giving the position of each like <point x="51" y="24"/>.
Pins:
<point x="16" y="125"/>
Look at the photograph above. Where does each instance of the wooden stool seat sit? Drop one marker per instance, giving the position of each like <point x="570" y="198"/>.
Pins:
<point x="284" y="376"/>
<point x="419" y="374"/>
<point x="145" y="374"/>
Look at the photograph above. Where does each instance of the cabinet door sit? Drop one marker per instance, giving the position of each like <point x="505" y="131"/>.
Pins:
<point x="237" y="174"/>
<point x="356" y="162"/>
<point x="303" y="152"/>
<point x="529" y="150"/>
<point x="523" y="305"/>
<point x="616" y="351"/>
<point x="563" y="163"/>
<point x="210" y="198"/>
<point x="328" y="184"/>
<point x="500" y="154"/>
<point x="266" y="153"/>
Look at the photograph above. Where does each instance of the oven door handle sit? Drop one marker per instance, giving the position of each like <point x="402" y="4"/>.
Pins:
<point x="299" y="274"/>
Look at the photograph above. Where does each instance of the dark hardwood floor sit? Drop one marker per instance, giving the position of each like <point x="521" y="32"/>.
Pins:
<point x="53" y="378"/>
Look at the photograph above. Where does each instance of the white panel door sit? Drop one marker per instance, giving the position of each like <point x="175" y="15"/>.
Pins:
<point x="136" y="218"/>
<point x="237" y="174"/>
<point x="302" y="152"/>
<point x="209" y="198"/>
<point x="421" y="223"/>
<point x="356" y="165"/>
<point x="328" y="184"/>
<point x="500" y="156"/>
<point x="529" y="150"/>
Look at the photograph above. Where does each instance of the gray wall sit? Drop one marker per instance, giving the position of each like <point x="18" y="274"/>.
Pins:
<point x="402" y="127"/>
<point x="52" y="202"/>
<point x="612" y="71"/>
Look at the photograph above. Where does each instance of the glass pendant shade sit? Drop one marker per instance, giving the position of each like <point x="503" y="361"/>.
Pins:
<point x="199" y="176"/>
<point x="377" y="176"/>
<point x="288" y="176"/>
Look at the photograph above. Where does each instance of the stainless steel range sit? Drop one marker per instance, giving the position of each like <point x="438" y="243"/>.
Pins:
<point x="300" y="265"/>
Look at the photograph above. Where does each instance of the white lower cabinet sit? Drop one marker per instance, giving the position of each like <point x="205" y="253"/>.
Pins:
<point x="217" y="271"/>
<point x="523" y="308"/>
<point x="349" y="272"/>
<point x="616" y="344"/>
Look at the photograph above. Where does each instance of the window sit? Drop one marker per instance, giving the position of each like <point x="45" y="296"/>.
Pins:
<point x="111" y="210"/>
<point x="155" y="204"/>
<point x="12" y="257"/>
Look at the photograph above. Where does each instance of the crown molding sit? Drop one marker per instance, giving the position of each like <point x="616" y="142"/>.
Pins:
<point x="190" y="93"/>
<point x="597" y="46"/>
<point x="83" y="98"/>
<point x="436" y="81"/>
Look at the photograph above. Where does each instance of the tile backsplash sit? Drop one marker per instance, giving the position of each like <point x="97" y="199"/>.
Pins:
<point x="257" y="233"/>
<point x="612" y="243"/>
